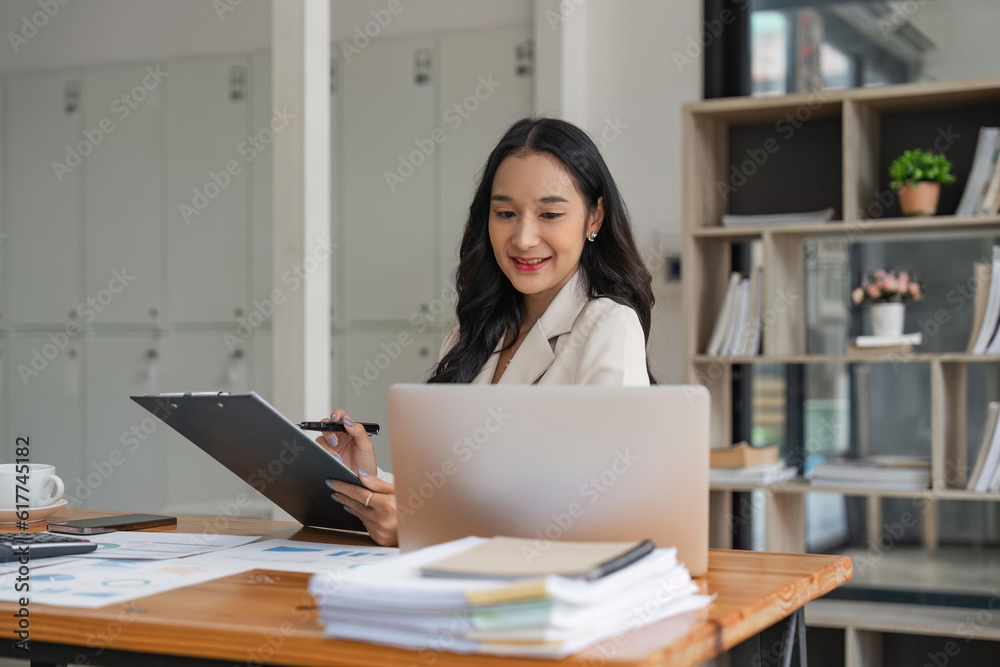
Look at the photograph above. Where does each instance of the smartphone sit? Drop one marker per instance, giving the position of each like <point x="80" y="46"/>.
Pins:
<point x="109" y="524"/>
<point x="370" y="429"/>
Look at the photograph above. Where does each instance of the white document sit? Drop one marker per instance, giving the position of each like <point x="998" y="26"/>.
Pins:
<point x="989" y="325"/>
<point x="153" y="546"/>
<point x="295" y="556"/>
<point x="93" y="583"/>
<point x="539" y="647"/>
<point x="397" y="584"/>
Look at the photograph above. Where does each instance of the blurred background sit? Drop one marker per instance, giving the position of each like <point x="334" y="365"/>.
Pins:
<point x="138" y="190"/>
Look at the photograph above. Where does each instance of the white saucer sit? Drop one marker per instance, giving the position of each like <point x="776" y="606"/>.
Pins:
<point x="34" y="514"/>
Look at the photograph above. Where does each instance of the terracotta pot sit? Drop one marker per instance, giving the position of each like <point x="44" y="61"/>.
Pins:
<point x="919" y="199"/>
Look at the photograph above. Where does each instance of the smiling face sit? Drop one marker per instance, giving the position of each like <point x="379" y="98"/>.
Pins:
<point x="538" y="225"/>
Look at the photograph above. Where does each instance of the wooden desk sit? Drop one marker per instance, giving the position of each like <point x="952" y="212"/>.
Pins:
<point x="268" y="617"/>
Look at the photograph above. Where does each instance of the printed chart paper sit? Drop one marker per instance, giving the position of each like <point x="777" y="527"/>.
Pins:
<point x="294" y="556"/>
<point x="151" y="546"/>
<point x="93" y="583"/>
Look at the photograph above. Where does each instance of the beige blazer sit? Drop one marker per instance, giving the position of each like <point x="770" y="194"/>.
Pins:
<point x="576" y="341"/>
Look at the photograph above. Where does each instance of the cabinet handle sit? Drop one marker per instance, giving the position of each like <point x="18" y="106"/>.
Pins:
<point x="524" y="58"/>
<point x="424" y="352"/>
<point x="421" y="66"/>
<point x="72" y="97"/>
<point x="237" y="83"/>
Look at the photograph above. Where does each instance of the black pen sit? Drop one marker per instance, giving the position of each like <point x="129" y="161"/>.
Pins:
<point x="370" y="429"/>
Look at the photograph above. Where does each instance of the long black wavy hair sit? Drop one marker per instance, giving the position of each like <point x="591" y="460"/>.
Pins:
<point x="488" y="305"/>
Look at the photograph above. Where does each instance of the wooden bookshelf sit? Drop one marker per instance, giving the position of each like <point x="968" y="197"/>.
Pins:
<point x="841" y="143"/>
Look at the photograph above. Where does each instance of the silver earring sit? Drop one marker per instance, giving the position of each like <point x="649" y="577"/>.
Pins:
<point x="592" y="237"/>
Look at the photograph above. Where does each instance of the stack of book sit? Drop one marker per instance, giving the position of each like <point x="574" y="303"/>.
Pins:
<point x="883" y="472"/>
<point x="737" y="330"/>
<point x="805" y="218"/>
<point x="986" y="473"/>
<point x="982" y="191"/>
<point x="985" y="337"/>
<point x="743" y="464"/>
<point x="877" y="345"/>
<point x="499" y="597"/>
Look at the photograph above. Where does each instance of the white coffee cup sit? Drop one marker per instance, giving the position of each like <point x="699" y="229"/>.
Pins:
<point x="24" y="485"/>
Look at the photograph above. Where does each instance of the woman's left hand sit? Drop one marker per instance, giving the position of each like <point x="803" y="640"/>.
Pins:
<point x="374" y="503"/>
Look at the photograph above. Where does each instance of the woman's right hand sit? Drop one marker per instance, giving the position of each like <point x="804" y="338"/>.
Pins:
<point x="353" y="447"/>
<point x="375" y="501"/>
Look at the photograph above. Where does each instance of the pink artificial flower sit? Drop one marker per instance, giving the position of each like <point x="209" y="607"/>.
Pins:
<point x="890" y="284"/>
<point x="904" y="282"/>
<point x="874" y="292"/>
<point x="880" y="274"/>
<point x="915" y="291"/>
<point x="857" y="296"/>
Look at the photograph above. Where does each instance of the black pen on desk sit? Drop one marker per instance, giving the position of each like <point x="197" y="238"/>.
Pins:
<point x="370" y="429"/>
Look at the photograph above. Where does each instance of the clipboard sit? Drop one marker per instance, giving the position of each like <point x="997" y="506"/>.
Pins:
<point x="248" y="436"/>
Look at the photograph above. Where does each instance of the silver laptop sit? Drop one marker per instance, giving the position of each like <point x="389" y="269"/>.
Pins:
<point x="552" y="462"/>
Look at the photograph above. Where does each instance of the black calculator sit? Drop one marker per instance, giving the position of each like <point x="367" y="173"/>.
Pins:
<point x="41" y="545"/>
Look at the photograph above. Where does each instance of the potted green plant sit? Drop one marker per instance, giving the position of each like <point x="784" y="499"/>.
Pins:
<point x="887" y="293"/>
<point x="917" y="175"/>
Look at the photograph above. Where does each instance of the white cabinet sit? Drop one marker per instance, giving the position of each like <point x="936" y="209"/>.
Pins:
<point x="44" y="402"/>
<point x="200" y="362"/>
<point x="486" y="85"/>
<point x="261" y="213"/>
<point x="3" y="220"/>
<point x="373" y="362"/>
<point x="261" y="366"/>
<point x="209" y="153"/>
<point x="388" y="180"/>
<point x="123" y="192"/>
<point x="45" y="151"/>
<point x="336" y="189"/>
<point x="125" y="454"/>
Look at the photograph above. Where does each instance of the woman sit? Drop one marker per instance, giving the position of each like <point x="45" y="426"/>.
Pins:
<point x="551" y="289"/>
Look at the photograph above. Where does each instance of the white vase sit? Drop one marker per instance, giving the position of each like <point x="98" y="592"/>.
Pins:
<point x="888" y="318"/>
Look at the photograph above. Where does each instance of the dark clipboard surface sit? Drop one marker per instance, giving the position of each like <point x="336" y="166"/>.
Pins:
<point x="247" y="435"/>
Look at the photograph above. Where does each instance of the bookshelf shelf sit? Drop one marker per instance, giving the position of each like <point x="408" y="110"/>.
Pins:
<point x="855" y="230"/>
<point x="804" y="486"/>
<point x="887" y="358"/>
<point x="837" y="156"/>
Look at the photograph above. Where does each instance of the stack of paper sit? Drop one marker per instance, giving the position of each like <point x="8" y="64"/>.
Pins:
<point x="767" y="473"/>
<point x="392" y="602"/>
<point x="803" y="218"/>
<point x="885" y="344"/>
<point x="880" y="472"/>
